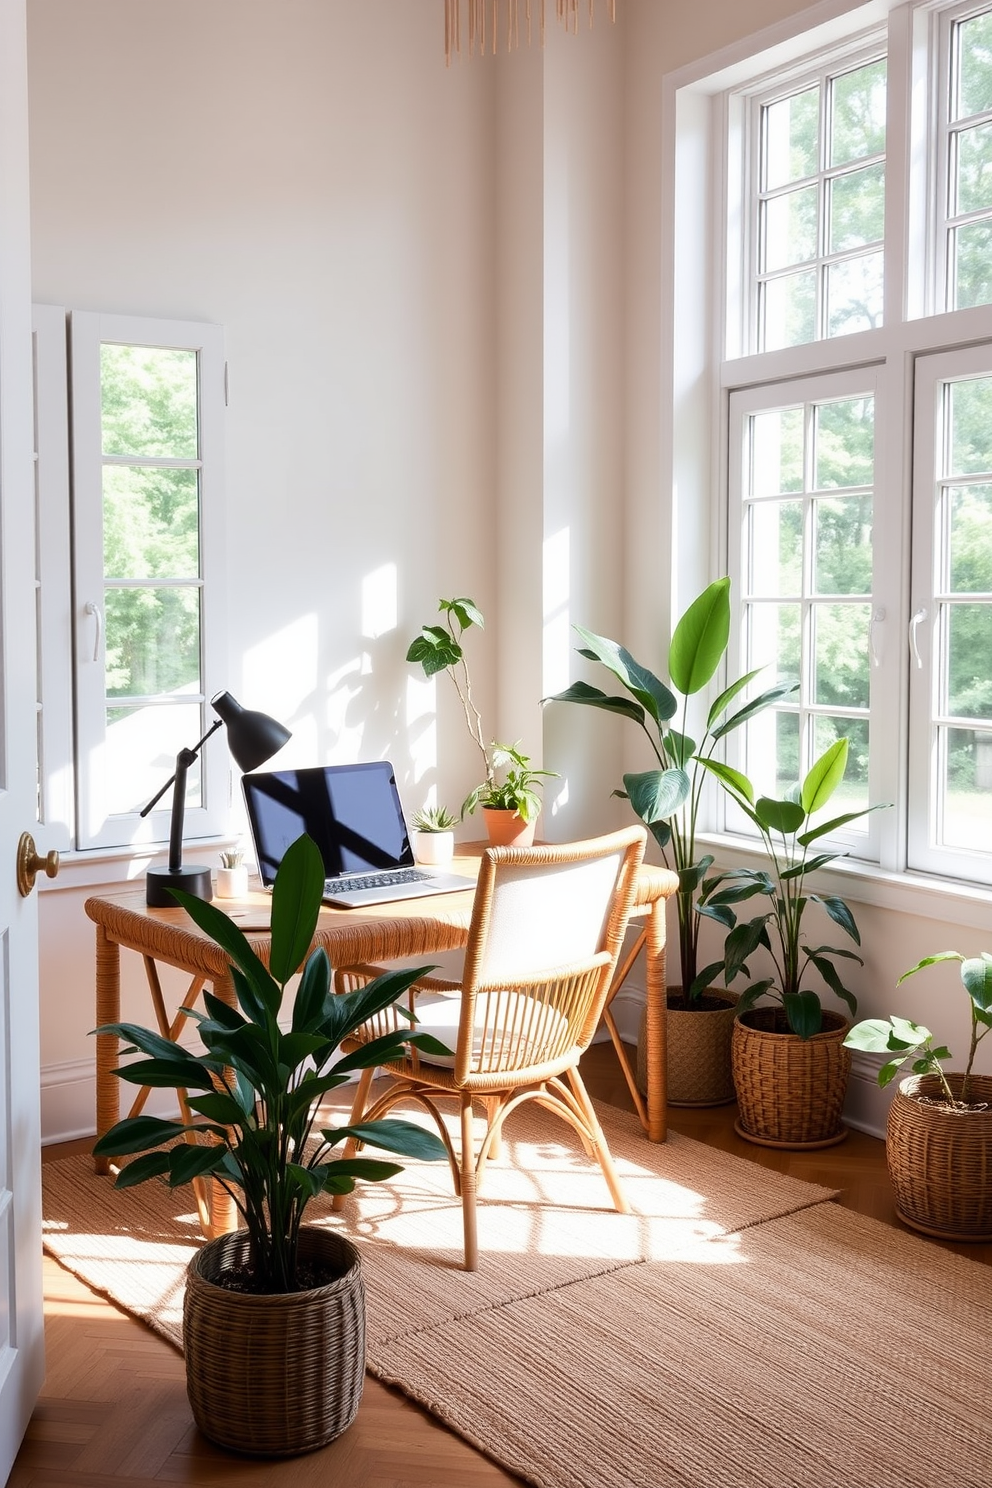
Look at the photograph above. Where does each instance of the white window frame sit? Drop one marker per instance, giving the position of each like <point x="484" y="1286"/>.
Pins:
<point x="95" y="826"/>
<point x="706" y="328"/>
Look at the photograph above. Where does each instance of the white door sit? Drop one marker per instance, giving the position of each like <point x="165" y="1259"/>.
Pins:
<point x="21" y="1315"/>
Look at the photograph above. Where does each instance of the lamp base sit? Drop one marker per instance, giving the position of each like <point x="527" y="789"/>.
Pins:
<point x="158" y="882"/>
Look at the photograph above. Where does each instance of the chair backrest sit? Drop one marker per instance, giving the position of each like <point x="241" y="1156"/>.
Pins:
<point x="547" y="928"/>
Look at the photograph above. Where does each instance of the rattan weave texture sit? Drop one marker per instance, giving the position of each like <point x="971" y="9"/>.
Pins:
<point x="940" y="1161"/>
<point x="274" y="1376"/>
<point x="790" y="1091"/>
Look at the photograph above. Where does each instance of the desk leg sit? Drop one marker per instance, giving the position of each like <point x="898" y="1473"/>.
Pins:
<point x="656" y="1024"/>
<point x="108" y="1010"/>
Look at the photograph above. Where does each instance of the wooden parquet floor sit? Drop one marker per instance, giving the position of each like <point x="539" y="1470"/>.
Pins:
<point x="114" y="1414"/>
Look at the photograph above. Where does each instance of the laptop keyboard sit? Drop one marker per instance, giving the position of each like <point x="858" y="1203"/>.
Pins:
<point x="347" y="882"/>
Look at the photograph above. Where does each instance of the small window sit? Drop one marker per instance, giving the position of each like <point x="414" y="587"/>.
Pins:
<point x="147" y="409"/>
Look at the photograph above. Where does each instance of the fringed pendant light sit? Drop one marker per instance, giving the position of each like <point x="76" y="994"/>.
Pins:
<point x="488" y="18"/>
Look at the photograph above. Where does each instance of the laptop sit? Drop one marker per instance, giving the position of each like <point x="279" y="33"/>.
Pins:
<point x="354" y="814"/>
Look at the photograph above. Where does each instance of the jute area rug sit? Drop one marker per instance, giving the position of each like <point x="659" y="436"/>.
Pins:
<point x="738" y="1330"/>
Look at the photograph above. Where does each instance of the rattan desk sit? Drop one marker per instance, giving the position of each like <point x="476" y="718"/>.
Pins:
<point x="418" y="927"/>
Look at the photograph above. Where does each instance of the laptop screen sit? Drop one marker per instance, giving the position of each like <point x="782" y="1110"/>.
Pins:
<point x="352" y="812"/>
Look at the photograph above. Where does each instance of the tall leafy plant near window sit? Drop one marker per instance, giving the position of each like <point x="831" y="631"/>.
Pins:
<point x="667" y="796"/>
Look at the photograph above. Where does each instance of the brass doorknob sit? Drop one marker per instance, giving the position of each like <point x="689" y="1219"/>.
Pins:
<point x="30" y="863"/>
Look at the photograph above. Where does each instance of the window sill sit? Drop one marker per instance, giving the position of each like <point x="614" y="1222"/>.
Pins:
<point x="121" y="867"/>
<point x="924" y="896"/>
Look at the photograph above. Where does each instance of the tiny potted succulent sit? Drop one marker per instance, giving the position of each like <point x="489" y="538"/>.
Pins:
<point x="938" y="1142"/>
<point x="232" y="875"/>
<point x="273" y="1314"/>
<point x="509" y="802"/>
<point x="433" y="831"/>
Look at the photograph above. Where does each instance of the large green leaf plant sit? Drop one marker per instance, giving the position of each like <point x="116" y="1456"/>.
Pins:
<point x="790" y="840"/>
<point x="255" y="1088"/>
<point x="667" y="797"/>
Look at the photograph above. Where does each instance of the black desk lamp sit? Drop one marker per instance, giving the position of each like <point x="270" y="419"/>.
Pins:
<point x="252" y="739"/>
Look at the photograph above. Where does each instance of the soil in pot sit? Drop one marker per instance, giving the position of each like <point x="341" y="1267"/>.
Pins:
<point x="699" y="1038"/>
<point x="790" y="1091"/>
<point x="940" y="1157"/>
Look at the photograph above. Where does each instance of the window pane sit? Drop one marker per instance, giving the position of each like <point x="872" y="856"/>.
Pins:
<point x="776" y="452"/>
<point x="974" y="169"/>
<point x="790" y="234"/>
<point x="151" y="522"/>
<point x="789" y="310"/>
<point x="152" y="641"/>
<point x="974" y="39"/>
<point x="845" y="443"/>
<point x="854" y="295"/>
<point x="776" y="546"/>
<point x="970" y="257"/>
<point x="842" y="546"/>
<point x="970" y="565"/>
<point x="774" y="631"/>
<point x="148" y="397"/>
<point x="841" y="655"/>
<point x="791" y="138"/>
<point x="852" y="793"/>
<point x="858" y="114"/>
<point x="971" y="426"/>
<point x="142" y="744"/>
<point x="969" y="646"/>
<point x="772" y="762"/>
<point x="965" y="762"/>
<point x="857" y="208"/>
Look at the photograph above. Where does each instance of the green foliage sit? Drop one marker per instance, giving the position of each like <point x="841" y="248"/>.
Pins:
<point x="437" y="649"/>
<point x="434" y="819"/>
<point x="908" y="1040"/>
<point x="667" y="798"/>
<point x="256" y="1088"/>
<point x="789" y="837"/>
<point x="517" y="791"/>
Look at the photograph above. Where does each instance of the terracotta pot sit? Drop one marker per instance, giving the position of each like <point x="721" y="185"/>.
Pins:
<point x="790" y="1091"/>
<point x="508" y="828"/>
<point x="699" y="1038"/>
<point x="940" y="1160"/>
<point x="273" y="1376"/>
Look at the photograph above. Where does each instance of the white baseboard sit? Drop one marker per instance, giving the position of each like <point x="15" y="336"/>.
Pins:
<point x="68" y="1101"/>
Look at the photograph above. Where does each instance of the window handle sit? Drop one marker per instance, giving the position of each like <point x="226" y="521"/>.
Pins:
<point x="877" y="618"/>
<point x="914" y="626"/>
<point x="97" y="613"/>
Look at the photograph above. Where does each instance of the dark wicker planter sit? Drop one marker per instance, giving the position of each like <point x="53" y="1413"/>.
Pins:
<point x="790" y="1091"/>
<point x="699" y="1072"/>
<point x="274" y="1376"/>
<point x="940" y="1161"/>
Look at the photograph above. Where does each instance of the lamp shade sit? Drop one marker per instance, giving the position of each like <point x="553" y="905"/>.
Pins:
<point x="252" y="737"/>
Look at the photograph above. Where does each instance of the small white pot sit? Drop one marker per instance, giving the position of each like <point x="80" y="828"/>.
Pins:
<point x="433" y="847"/>
<point x="232" y="883"/>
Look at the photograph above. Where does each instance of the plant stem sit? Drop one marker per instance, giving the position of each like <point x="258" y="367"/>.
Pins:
<point x="473" y="718"/>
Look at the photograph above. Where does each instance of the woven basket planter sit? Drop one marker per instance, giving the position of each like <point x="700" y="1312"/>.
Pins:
<point x="790" y="1091"/>
<point x="940" y="1160"/>
<point x="273" y="1376"/>
<point x="699" y="1072"/>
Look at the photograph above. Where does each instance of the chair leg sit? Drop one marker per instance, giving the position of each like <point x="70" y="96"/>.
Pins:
<point x="492" y="1110"/>
<point x="357" y="1112"/>
<point x="468" y="1186"/>
<point x="600" y="1150"/>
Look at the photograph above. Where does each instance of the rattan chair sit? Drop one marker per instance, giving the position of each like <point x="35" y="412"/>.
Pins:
<point x="547" y="927"/>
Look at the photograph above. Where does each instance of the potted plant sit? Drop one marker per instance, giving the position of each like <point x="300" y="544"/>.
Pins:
<point x="434" y="835"/>
<point x="232" y="875"/>
<point x="938" y="1141"/>
<point x="510" y="803"/>
<point x="790" y="1062"/>
<point x="666" y="798"/>
<point x="273" y="1319"/>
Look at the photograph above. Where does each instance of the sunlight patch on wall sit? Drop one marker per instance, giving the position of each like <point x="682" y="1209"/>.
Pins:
<point x="421" y="721"/>
<point x="281" y="679"/>
<point x="379" y="603"/>
<point x="557" y="594"/>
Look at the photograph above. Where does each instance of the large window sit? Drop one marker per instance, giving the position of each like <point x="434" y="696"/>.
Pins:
<point x="856" y="410"/>
<point x="145" y="436"/>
